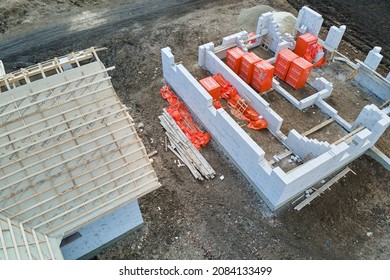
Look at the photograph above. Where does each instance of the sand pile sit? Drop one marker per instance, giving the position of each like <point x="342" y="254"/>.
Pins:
<point x="286" y="21"/>
<point x="248" y="18"/>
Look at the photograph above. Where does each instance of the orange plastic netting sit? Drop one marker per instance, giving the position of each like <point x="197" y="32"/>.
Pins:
<point x="244" y="112"/>
<point x="183" y="118"/>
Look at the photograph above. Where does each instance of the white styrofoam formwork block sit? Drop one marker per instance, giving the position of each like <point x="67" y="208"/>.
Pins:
<point x="2" y="69"/>
<point x="373" y="81"/>
<point x="266" y="25"/>
<point x="102" y="231"/>
<point x="234" y="38"/>
<point x="373" y="58"/>
<point x="305" y="147"/>
<point x="215" y="65"/>
<point x="325" y="90"/>
<point x="372" y="118"/>
<point x="310" y="19"/>
<point x="283" y="45"/>
<point x="322" y="83"/>
<point x="334" y="36"/>
<point x="274" y="185"/>
<point x="331" y="112"/>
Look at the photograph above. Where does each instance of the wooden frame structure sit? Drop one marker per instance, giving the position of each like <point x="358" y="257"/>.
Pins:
<point x="69" y="154"/>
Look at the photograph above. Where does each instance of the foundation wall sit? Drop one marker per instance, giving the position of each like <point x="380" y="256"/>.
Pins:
<point x="215" y="65"/>
<point x="274" y="185"/>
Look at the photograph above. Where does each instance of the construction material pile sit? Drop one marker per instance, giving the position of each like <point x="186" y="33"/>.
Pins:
<point x="184" y="136"/>
<point x="252" y="69"/>
<point x="239" y="106"/>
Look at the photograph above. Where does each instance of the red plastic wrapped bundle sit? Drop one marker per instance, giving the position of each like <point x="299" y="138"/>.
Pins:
<point x="283" y="62"/>
<point x="304" y="42"/>
<point x="184" y="120"/>
<point x="298" y="73"/>
<point x="211" y="86"/>
<point x="233" y="58"/>
<point x="262" y="76"/>
<point x="248" y="62"/>
<point x="233" y="98"/>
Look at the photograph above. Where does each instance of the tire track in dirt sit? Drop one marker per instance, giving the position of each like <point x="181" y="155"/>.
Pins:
<point x="91" y="27"/>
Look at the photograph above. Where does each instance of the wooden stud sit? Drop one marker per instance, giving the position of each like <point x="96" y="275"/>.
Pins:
<point x="110" y="202"/>
<point x="26" y="244"/>
<point x="76" y="187"/>
<point x="317" y="127"/>
<point x="37" y="244"/>
<point x="13" y="238"/>
<point x="3" y="243"/>
<point x="322" y="189"/>
<point x="92" y="199"/>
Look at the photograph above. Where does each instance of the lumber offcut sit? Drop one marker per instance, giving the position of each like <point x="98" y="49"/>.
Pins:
<point x="182" y="147"/>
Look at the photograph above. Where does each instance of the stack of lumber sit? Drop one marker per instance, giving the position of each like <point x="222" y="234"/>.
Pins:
<point x="182" y="147"/>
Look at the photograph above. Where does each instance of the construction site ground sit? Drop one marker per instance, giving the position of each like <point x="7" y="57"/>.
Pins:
<point x="213" y="219"/>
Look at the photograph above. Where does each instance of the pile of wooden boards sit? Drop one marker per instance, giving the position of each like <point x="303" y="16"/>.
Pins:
<point x="182" y="147"/>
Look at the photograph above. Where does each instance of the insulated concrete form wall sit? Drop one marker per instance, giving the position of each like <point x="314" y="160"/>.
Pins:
<point x="273" y="184"/>
<point x="309" y="20"/>
<point x="215" y="65"/>
<point x="102" y="232"/>
<point x="368" y="78"/>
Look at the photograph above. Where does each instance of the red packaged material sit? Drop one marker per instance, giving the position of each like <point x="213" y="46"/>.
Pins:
<point x="248" y="62"/>
<point x="233" y="58"/>
<point x="184" y="120"/>
<point x="262" y="76"/>
<point x="283" y="61"/>
<point x="246" y="113"/>
<point x="212" y="87"/>
<point x="304" y="42"/>
<point x="298" y="73"/>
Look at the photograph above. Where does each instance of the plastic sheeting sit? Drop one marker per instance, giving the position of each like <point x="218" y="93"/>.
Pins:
<point x="183" y="118"/>
<point x="246" y="113"/>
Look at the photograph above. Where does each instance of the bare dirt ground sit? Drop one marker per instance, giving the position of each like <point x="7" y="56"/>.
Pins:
<point x="217" y="219"/>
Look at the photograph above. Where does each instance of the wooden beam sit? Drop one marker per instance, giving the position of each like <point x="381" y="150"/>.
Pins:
<point x="54" y="166"/>
<point x="60" y="194"/>
<point x="3" y="242"/>
<point x="56" y="97"/>
<point x="61" y="123"/>
<point x="110" y="202"/>
<point x="317" y="127"/>
<point x="26" y="244"/>
<point x="11" y="230"/>
<point x="114" y="189"/>
<point x="68" y="82"/>
<point x="37" y="244"/>
<point x="49" y="247"/>
<point x="322" y="189"/>
<point x="70" y="139"/>
<point x="384" y="104"/>
<point x="349" y="135"/>
<point x="70" y="149"/>
<point x="63" y="182"/>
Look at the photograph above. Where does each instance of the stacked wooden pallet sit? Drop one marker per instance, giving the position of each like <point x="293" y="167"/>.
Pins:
<point x="182" y="147"/>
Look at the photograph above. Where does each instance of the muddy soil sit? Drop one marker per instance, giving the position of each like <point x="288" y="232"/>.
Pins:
<point x="216" y="219"/>
<point x="367" y="24"/>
